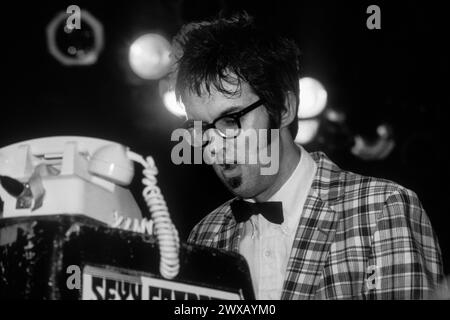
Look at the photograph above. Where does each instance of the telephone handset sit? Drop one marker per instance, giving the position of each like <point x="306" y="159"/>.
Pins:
<point x="81" y="175"/>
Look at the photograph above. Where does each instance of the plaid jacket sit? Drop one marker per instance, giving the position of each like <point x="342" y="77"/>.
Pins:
<point x="358" y="238"/>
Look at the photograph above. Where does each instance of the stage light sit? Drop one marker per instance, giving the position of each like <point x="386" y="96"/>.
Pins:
<point x="335" y="116"/>
<point x="307" y="130"/>
<point x="375" y="150"/>
<point x="149" y="56"/>
<point x="75" y="47"/>
<point x="313" y="98"/>
<point x="171" y="103"/>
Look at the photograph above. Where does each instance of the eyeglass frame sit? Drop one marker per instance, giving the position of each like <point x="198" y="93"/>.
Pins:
<point x="236" y="116"/>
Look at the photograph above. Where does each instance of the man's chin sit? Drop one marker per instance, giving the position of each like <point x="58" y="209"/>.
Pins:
<point x="238" y="188"/>
<point x="233" y="183"/>
<point x="233" y="176"/>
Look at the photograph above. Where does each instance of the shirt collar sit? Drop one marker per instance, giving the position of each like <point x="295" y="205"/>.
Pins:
<point x="294" y="191"/>
<point x="292" y="194"/>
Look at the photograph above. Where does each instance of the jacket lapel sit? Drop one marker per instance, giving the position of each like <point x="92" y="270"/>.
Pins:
<point x="238" y="232"/>
<point x="314" y="236"/>
<point x="229" y="236"/>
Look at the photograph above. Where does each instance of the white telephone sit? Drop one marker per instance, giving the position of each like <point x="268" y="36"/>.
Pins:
<point x="80" y="175"/>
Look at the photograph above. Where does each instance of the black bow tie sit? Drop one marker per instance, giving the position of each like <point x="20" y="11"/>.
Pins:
<point x="271" y="210"/>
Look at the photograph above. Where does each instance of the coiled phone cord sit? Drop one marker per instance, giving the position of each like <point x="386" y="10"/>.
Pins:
<point x="160" y="223"/>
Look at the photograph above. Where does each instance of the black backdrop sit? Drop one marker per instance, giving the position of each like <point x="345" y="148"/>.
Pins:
<point x="396" y="75"/>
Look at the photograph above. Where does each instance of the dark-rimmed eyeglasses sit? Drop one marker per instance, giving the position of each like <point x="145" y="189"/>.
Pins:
<point x="228" y="126"/>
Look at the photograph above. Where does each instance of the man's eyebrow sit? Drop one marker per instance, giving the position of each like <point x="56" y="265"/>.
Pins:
<point x="229" y="110"/>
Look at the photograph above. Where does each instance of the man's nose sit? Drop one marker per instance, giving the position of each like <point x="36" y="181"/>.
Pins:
<point x="215" y="148"/>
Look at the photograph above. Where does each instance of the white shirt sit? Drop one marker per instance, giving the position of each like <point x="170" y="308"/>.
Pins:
<point x="267" y="246"/>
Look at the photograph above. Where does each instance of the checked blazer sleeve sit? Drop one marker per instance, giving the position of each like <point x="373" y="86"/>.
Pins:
<point x="404" y="251"/>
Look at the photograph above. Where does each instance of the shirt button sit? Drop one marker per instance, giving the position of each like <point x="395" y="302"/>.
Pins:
<point x="267" y="253"/>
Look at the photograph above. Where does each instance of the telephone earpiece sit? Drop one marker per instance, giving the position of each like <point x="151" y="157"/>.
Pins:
<point x="112" y="163"/>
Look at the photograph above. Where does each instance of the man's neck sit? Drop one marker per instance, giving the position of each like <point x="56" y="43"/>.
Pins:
<point x="290" y="155"/>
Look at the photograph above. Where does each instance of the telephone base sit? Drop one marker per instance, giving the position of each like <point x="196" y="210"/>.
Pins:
<point x="44" y="257"/>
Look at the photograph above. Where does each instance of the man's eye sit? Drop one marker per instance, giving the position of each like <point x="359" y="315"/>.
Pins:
<point x="228" y="121"/>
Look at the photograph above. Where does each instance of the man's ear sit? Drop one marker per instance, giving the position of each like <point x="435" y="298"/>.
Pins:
<point x="289" y="112"/>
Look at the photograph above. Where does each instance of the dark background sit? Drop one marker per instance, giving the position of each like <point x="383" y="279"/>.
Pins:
<point x="397" y="75"/>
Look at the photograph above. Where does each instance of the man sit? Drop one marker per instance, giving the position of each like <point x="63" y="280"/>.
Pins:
<point x="336" y="234"/>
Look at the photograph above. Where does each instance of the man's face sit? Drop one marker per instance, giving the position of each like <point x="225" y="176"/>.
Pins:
<point x="242" y="178"/>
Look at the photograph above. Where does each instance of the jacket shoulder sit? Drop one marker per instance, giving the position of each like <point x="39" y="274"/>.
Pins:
<point x="206" y="230"/>
<point x="361" y="199"/>
<point x="341" y="186"/>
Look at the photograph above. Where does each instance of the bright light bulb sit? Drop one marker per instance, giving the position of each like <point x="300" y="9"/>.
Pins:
<point x="313" y="98"/>
<point x="171" y="103"/>
<point x="307" y="130"/>
<point x="149" y="56"/>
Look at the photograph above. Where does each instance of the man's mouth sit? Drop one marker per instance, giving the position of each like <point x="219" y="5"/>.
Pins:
<point x="228" y="167"/>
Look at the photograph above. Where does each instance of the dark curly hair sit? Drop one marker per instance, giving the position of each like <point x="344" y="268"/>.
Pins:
<point x="211" y="52"/>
